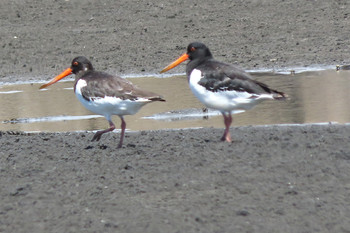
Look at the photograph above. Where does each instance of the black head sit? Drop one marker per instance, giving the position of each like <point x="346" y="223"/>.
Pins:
<point x="197" y="53"/>
<point x="81" y="64"/>
<point x="198" y="50"/>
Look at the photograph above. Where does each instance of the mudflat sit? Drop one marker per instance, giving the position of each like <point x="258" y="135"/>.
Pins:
<point x="270" y="179"/>
<point x="39" y="39"/>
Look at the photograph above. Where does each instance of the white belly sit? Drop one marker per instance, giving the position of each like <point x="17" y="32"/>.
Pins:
<point x="224" y="101"/>
<point x="108" y="105"/>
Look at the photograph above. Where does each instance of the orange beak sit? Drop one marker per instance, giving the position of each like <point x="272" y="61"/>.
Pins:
<point x="181" y="59"/>
<point x="58" y="78"/>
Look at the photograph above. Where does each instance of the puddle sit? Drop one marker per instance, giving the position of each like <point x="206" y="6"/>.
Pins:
<point x="315" y="96"/>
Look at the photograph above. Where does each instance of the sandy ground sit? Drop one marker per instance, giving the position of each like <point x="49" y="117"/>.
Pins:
<point x="270" y="179"/>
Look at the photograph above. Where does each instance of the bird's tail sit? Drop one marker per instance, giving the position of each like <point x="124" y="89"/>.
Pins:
<point x="157" y="98"/>
<point x="277" y="95"/>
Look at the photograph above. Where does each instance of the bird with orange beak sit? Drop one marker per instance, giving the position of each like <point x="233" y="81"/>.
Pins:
<point x="222" y="86"/>
<point x="105" y="94"/>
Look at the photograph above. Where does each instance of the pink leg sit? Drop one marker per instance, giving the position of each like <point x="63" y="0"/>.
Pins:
<point x="98" y="134"/>
<point x="123" y="126"/>
<point x="227" y="121"/>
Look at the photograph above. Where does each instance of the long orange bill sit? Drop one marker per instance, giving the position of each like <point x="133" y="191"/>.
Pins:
<point x="181" y="59"/>
<point x="58" y="78"/>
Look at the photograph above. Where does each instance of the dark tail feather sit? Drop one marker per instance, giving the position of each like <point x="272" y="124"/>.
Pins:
<point x="277" y="95"/>
<point x="157" y="98"/>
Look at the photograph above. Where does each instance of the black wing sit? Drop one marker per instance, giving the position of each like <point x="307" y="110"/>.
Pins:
<point x="218" y="76"/>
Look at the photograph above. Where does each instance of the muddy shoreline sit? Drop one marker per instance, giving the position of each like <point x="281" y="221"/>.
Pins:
<point x="40" y="39"/>
<point x="270" y="179"/>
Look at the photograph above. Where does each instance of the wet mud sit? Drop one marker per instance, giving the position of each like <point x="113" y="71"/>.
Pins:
<point x="270" y="179"/>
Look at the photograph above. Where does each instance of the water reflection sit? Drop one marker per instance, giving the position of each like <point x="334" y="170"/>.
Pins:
<point x="321" y="96"/>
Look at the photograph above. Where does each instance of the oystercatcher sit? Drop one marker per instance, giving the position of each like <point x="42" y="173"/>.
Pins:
<point x="105" y="94"/>
<point x="222" y="86"/>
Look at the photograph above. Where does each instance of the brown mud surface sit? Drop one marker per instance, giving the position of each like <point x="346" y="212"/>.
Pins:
<point x="270" y="179"/>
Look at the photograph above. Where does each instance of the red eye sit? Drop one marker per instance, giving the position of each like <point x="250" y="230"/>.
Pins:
<point x="193" y="49"/>
<point x="75" y="63"/>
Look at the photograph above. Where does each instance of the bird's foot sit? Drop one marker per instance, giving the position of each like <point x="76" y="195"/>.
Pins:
<point x="226" y="137"/>
<point x="97" y="136"/>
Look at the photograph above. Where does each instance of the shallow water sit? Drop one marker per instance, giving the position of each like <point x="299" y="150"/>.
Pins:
<point x="318" y="96"/>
